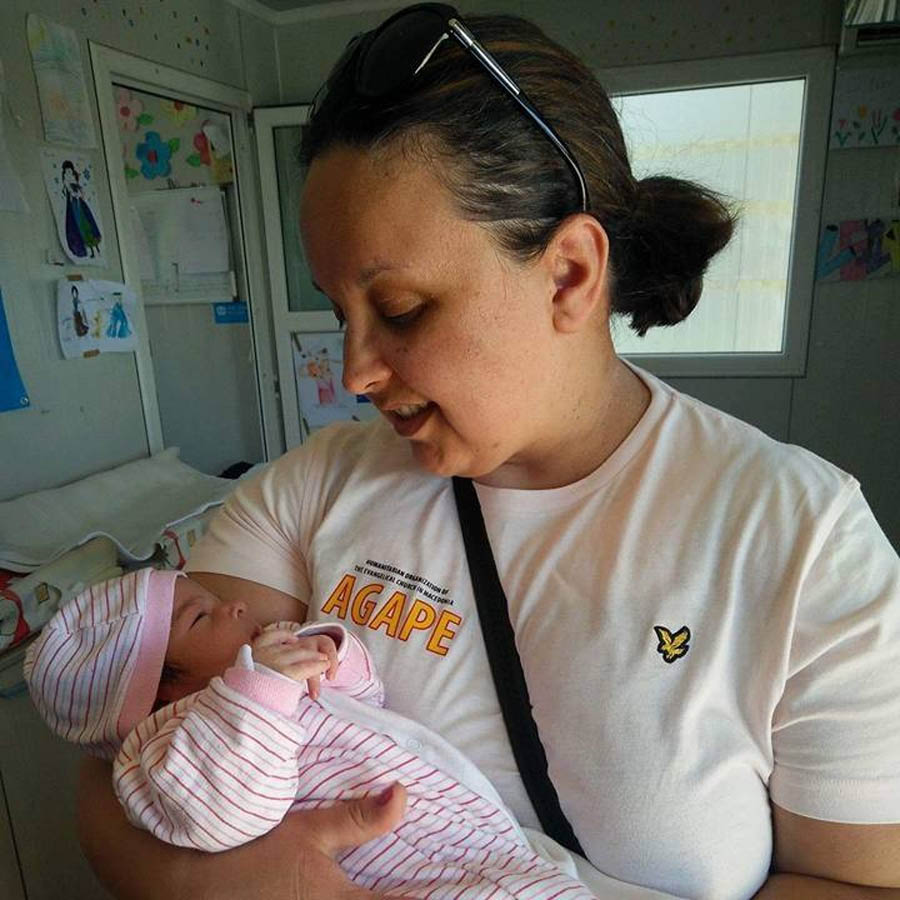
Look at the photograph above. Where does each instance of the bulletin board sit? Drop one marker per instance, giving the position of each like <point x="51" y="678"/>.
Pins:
<point x="183" y="245"/>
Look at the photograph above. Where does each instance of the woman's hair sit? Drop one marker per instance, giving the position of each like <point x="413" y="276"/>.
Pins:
<point x="505" y="174"/>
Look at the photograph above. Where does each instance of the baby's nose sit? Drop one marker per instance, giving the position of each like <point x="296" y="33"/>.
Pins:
<point x="236" y="609"/>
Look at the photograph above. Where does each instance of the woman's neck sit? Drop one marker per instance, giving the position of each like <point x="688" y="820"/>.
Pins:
<point x="588" y="431"/>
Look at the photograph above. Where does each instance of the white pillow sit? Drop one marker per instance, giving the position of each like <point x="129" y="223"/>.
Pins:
<point x="132" y="504"/>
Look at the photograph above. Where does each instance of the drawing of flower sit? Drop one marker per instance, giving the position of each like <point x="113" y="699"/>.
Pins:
<point x="896" y="115"/>
<point x="130" y="111"/>
<point x="178" y="111"/>
<point x="861" y="112"/>
<point x="128" y="108"/>
<point x="878" y="122"/>
<point x="202" y="157"/>
<point x="155" y="155"/>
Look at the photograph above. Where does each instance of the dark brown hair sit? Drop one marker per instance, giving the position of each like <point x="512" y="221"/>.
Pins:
<point x="505" y="174"/>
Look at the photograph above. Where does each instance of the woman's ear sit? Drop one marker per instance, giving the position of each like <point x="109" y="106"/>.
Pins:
<point x="578" y="257"/>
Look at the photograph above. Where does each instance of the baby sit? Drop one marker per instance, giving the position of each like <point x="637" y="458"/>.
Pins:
<point x="248" y="738"/>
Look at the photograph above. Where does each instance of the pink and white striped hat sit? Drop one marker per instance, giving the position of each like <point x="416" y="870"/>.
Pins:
<point x="94" y="670"/>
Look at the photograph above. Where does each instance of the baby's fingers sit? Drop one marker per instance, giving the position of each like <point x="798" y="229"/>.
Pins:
<point x="305" y="670"/>
<point x="326" y="645"/>
<point x="273" y="637"/>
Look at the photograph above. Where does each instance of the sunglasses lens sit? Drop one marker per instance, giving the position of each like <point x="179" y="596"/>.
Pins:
<point x="390" y="56"/>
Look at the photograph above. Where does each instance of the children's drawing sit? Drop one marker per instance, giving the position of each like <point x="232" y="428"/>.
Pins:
<point x="318" y="368"/>
<point x="12" y="391"/>
<point x="866" y="108"/>
<point x="171" y="139"/>
<point x="69" y="179"/>
<point x="94" y="316"/>
<point x="56" y="58"/>
<point x="857" y="249"/>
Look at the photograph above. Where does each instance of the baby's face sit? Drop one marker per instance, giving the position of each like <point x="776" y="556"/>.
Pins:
<point x="206" y="634"/>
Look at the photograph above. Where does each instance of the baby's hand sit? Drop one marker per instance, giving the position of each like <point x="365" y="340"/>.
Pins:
<point x="303" y="658"/>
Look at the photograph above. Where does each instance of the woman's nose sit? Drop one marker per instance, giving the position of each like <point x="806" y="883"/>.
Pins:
<point x="365" y="370"/>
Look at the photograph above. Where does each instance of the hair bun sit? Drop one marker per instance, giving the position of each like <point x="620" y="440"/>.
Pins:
<point x="674" y="230"/>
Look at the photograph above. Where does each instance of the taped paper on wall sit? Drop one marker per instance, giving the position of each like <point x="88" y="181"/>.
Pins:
<point x="12" y="193"/>
<point x="69" y="179"/>
<point x="12" y="391"/>
<point x="859" y="249"/>
<point x="866" y="108"/>
<point x="95" y="317"/>
<point x="56" y="59"/>
<point x="318" y="369"/>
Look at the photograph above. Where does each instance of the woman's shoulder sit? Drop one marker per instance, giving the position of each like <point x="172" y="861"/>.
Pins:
<point x="364" y="455"/>
<point x="695" y="444"/>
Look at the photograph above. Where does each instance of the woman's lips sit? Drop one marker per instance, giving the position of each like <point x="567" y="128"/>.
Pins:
<point x="408" y="426"/>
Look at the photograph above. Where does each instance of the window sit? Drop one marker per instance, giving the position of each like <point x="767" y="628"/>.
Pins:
<point x="754" y="129"/>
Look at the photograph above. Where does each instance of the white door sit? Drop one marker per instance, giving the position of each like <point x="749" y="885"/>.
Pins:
<point x="208" y="384"/>
<point x="307" y="339"/>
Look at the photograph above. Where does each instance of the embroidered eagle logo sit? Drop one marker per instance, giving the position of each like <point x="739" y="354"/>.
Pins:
<point x="672" y="646"/>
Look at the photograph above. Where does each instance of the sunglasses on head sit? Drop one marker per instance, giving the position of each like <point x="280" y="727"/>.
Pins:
<point x="393" y="54"/>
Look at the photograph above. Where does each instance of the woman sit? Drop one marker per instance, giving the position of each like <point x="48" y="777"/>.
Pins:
<point x="707" y="619"/>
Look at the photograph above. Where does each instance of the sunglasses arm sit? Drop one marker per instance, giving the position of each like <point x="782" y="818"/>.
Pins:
<point x="467" y="39"/>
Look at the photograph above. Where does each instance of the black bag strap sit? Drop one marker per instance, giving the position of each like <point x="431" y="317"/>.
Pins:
<point x="506" y="668"/>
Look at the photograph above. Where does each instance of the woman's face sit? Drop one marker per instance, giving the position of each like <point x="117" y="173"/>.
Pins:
<point x="452" y="341"/>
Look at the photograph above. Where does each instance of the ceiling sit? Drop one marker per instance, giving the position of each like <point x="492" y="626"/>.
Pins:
<point x="284" y="12"/>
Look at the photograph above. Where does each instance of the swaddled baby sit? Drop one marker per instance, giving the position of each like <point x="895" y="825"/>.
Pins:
<point x="240" y="736"/>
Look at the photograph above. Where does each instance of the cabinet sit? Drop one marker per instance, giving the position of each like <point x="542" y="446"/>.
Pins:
<point x="39" y="854"/>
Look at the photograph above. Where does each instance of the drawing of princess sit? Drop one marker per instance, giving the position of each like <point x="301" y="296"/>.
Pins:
<point x="82" y="234"/>
<point x="81" y="325"/>
<point x="118" y="326"/>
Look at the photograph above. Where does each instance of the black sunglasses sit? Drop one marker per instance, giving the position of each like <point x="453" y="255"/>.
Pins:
<point x="388" y="57"/>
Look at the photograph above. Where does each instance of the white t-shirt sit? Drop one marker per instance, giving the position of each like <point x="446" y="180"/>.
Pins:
<point x="664" y="748"/>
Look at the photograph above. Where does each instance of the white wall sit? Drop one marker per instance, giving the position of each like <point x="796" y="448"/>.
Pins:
<point x="85" y="414"/>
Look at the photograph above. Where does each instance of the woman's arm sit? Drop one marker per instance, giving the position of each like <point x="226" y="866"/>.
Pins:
<point x="292" y="862"/>
<point x="831" y="860"/>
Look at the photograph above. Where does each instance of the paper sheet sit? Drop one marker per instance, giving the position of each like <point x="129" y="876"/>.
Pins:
<point x="69" y="179"/>
<point x="866" y="108"/>
<point x="203" y="218"/>
<point x="12" y="193"/>
<point x="859" y="249"/>
<point x="12" y="390"/>
<point x="56" y="58"/>
<point x="95" y="317"/>
<point x="318" y="368"/>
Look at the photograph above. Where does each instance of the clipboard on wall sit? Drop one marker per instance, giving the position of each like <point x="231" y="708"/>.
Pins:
<point x="183" y="245"/>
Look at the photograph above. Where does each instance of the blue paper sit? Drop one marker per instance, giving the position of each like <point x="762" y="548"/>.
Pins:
<point x="234" y="313"/>
<point x="12" y="390"/>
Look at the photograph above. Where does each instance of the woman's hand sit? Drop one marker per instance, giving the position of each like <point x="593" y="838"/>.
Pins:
<point x="295" y="861"/>
<point x="303" y="658"/>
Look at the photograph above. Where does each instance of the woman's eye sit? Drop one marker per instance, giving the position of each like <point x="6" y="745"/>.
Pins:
<point x="198" y="618"/>
<point x="399" y="320"/>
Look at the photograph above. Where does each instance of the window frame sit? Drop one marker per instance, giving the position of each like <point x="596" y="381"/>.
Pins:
<point x="816" y="67"/>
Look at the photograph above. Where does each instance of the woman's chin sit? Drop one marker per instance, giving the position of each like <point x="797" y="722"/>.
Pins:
<point x="442" y="462"/>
